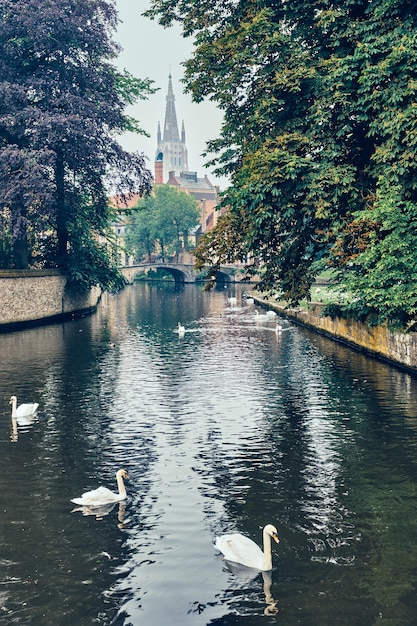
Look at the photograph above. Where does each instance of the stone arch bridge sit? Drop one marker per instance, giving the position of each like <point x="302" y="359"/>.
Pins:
<point x="182" y="273"/>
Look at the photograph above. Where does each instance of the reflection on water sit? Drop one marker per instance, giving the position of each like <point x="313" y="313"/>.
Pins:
<point x="101" y="511"/>
<point x="271" y="604"/>
<point x="221" y="429"/>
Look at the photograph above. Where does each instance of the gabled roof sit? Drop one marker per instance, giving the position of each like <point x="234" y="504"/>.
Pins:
<point x="192" y="183"/>
<point x="125" y="202"/>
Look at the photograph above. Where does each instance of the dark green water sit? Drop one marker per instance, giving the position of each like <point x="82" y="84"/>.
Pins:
<point x="226" y="429"/>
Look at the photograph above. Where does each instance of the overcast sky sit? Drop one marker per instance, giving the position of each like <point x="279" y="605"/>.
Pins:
<point x="150" y="51"/>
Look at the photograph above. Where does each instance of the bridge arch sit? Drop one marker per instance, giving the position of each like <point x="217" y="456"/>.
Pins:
<point x="222" y="278"/>
<point x="179" y="275"/>
<point x="182" y="273"/>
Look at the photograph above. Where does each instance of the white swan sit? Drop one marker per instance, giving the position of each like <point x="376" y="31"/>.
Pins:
<point x="101" y="511"/>
<point x="239" y="549"/>
<point x="259" y="318"/>
<point x="102" y="496"/>
<point x="24" y="410"/>
<point x="98" y="511"/>
<point x="180" y="330"/>
<point x="271" y="314"/>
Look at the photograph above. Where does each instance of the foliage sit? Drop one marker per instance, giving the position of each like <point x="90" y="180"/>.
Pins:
<point x="89" y="266"/>
<point x="319" y="134"/>
<point x="162" y="222"/>
<point x="333" y="310"/>
<point x="384" y="284"/>
<point x="89" y="259"/>
<point x="140" y="238"/>
<point x="62" y="108"/>
<point x="6" y="260"/>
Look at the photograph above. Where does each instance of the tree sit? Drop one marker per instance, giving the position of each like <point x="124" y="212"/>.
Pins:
<point x="164" y="218"/>
<point x="139" y="235"/>
<point x="62" y="108"/>
<point x="178" y="212"/>
<point x="386" y="273"/>
<point x="319" y="110"/>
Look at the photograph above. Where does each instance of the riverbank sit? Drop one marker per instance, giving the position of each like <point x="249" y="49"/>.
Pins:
<point x="397" y="348"/>
<point x="32" y="297"/>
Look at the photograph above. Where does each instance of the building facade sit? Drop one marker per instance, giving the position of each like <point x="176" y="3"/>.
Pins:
<point x="171" y="166"/>
<point x="171" y="151"/>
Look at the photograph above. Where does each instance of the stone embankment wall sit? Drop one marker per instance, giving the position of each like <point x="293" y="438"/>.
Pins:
<point x="378" y="341"/>
<point x="34" y="296"/>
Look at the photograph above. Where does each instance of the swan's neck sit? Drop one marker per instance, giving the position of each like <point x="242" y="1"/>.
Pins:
<point x="121" y="485"/>
<point x="267" y="551"/>
<point x="14" y="405"/>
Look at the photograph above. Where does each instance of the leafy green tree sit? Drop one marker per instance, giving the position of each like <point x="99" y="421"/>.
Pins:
<point x="164" y="218"/>
<point x="383" y="285"/>
<point x="140" y="239"/>
<point x="319" y="118"/>
<point x="62" y="109"/>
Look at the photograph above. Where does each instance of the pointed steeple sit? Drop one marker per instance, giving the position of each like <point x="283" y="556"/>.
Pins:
<point x="171" y="148"/>
<point x="171" y="125"/>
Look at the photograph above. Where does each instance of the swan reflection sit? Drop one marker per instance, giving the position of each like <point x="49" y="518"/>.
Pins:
<point x="101" y="511"/>
<point x="246" y="575"/>
<point x="271" y="604"/>
<point x="14" y="435"/>
<point x="21" y="425"/>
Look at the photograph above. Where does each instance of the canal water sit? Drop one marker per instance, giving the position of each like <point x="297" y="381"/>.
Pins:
<point x="225" y="429"/>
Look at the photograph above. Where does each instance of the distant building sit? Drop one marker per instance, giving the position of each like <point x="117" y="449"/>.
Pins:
<point x="171" y="166"/>
<point x="203" y="191"/>
<point x="171" y="151"/>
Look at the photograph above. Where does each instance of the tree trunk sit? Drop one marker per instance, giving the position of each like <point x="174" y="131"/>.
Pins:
<point x="61" y="212"/>
<point x="20" y="245"/>
<point x="21" y="253"/>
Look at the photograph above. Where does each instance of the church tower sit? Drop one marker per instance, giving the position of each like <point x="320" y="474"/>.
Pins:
<point x="171" y="153"/>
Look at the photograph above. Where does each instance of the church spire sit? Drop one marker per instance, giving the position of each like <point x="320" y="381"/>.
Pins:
<point x="171" y="125"/>
<point x="171" y="149"/>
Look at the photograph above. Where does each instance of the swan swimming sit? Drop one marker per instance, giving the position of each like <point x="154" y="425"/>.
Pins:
<point x="24" y="410"/>
<point x="103" y="496"/>
<point x="240" y="549"/>
<point x="180" y="330"/>
<point x="100" y="512"/>
<point x="260" y="317"/>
